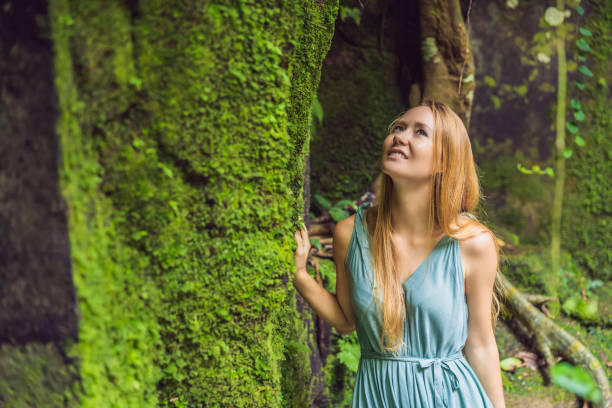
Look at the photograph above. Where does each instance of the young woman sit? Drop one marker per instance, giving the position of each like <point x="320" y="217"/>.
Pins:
<point x="427" y="340"/>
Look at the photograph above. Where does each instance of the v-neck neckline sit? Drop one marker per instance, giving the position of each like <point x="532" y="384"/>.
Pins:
<point x="408" y="281"/>
<point x="420" y="267"/>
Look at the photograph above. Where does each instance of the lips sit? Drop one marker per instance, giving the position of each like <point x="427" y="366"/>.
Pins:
<point x="396" y="150"/>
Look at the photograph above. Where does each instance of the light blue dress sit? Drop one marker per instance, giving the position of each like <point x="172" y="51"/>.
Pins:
<point x="431" y="371"/>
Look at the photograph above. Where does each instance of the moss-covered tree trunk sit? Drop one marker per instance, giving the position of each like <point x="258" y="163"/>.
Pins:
<point x="182" y="129"/>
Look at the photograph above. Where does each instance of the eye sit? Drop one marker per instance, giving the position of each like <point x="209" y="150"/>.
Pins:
<point x="422" y="131"/>
<point x="395" y="127"/>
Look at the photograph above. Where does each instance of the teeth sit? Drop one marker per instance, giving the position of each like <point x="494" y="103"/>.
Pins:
<point x="396" y="154"/>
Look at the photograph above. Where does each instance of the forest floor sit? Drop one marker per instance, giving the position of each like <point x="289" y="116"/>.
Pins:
<point x="525" y="387"/>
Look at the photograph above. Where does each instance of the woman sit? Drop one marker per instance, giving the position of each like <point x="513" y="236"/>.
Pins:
<point x="432" y="266"/>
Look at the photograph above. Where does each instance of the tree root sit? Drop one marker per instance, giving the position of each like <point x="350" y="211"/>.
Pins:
<point x="549" y="338"/>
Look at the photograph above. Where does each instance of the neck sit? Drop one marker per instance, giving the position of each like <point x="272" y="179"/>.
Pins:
<point x="409" y="206"/>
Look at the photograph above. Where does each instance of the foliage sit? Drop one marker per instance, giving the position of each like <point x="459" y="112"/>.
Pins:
<point x="528" y="271"/>
<point x="316" y="112"/>
<point x="585" y="310"/>
<point x="589" y="202"/>
<point x="510" y="363"/>
<point x="517" y="204"/>
<point x="350" y="351"/>
<point x="575" y="379"/>
<point x="350" y="12"/>
<point x="338" y="210"/>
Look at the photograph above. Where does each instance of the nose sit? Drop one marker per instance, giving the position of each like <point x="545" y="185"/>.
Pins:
<point x="400" y="138"/>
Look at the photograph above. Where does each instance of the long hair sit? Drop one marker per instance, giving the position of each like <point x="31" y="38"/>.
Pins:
<point x="454" y="189"/>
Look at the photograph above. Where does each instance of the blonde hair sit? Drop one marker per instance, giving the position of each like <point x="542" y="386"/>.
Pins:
<point x="454" y="189"/>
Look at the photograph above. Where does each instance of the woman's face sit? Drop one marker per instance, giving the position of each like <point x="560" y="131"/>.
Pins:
<point x="412" y="134"/>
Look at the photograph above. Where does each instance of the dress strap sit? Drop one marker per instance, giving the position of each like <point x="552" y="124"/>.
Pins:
<point x="441" y="396"/>
<point x="361" y="224"/>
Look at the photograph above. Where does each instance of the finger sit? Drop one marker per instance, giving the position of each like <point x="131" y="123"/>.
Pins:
<point x="304" y="234"/>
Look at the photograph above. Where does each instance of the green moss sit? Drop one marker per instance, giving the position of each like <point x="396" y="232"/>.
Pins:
<point x="588" y="208"/>
<point x="35" y="375"/>
<point x="118" y="334"/>
<point x="178" y="211"/>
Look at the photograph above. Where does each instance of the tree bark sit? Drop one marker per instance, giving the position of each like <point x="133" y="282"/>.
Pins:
<point x="549" y="338"/>
<point x="448" y="64"/>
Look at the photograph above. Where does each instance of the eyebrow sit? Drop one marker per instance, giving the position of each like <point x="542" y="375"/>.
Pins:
<point x="401" y="122"/>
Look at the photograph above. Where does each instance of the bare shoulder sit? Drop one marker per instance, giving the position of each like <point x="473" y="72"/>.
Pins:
<point x="344" y="228"/>
<point x="479" y="244"/>
<point x="342" y="234"/>
<point x="477" y="249"/>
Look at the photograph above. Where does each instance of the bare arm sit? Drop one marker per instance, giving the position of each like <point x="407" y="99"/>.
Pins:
<point x="336" y="309"/>
<point x="481" y="349"/>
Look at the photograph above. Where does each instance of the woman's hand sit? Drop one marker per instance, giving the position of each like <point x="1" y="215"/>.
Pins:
<point x="303" y="248"/>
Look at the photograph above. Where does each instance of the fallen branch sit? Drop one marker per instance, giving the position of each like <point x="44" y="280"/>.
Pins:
<point x="549" y="338"/>
<point x="538" y="299"/>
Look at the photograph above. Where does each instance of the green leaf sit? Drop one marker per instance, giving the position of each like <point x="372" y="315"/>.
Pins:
<point x="285" y="78"/>
<point x="585" y="32"/>
<point x="317" y="109"/>
<point x="585" y="310"/>
<point x="602" y="81"/>
<point x="237" y="74"/>
<point x="523" y="169"/>
<point x="575" y="379"/>
<point x="510" y="364"/>
<point x="580" y="85"/>
<point x="583" y="45"/>
<point x="535" y="168"/>
<point x="594" y="283"/>
<point x="579" y="9"/>
<point x="567" y="152"/>
<point x="344" y="203"/>
<point x="322" y="201"/>
<point x="581" y="58"/>
<point x="585" y="70"/>
<point x="311" y="123"/>
<point x="349" y="355"/>
<point x="550" y="172"/>
<point x="174" y="206"/>
<point x="350" y="12"/>
<point x="575" y="103"/>
<point x="579" y="116"/>
<point x="571" y="127"/>
<point x="316" y="243"/>
<point x="165" y="169"/>
<point x="338" y="214"/>
<point x="579" y="141"/>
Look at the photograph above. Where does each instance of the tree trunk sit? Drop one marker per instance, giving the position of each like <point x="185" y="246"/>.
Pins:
<point x="181" y="130"/>
<point x="448" y="64"/>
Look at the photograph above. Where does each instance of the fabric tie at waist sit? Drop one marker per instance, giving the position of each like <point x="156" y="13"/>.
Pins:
<point x="437" y="363"/>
